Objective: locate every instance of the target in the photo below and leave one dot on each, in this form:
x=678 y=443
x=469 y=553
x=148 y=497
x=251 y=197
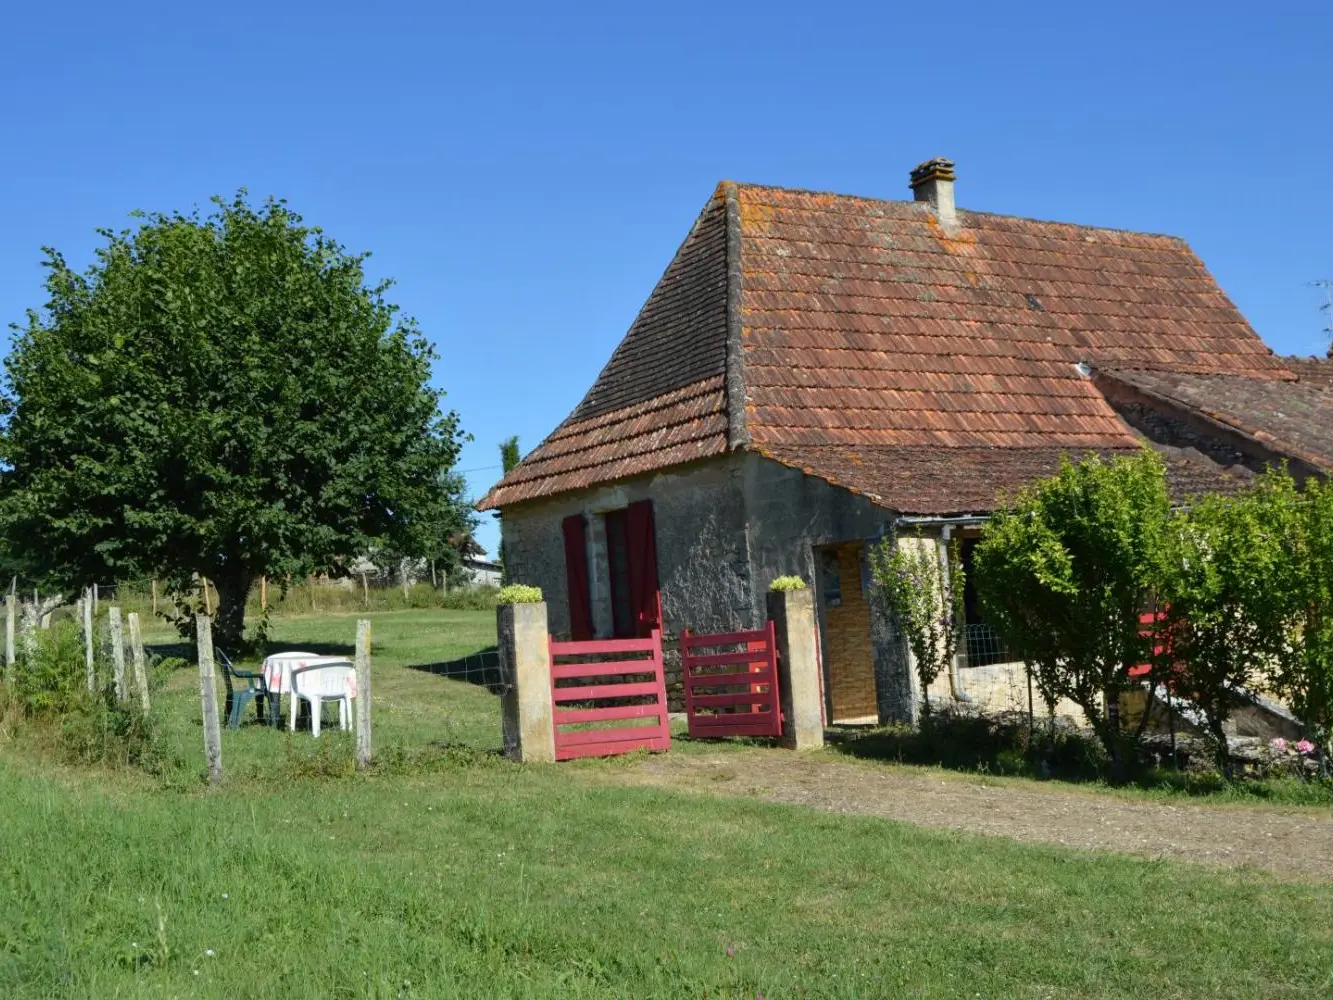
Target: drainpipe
x=955 y=680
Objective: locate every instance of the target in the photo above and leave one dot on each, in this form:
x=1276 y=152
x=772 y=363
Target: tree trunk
x=1117 y=744
x=1221 y=746
x=229 y=624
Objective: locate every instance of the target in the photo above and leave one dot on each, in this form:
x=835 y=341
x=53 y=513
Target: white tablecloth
x=278 y=669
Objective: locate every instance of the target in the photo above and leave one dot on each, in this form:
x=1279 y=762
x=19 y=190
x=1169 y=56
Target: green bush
x=50 y=682
x=96 y=731
x=50 y=694
x=785 y=584
x=519 y=593
x=471 y=599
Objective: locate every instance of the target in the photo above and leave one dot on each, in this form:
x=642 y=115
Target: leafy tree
x=509 y=457
x=220 y=396
x=1227 y=576
x=1063 y=577
x=923 y=588
x=1304 y=673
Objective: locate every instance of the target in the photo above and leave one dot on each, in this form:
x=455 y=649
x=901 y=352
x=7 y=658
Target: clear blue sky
x=526 y=175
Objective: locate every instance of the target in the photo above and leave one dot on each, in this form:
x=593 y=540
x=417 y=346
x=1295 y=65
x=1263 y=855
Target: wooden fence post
x=363 y=693
x=208 y=693
x=140 y=661
x=263 y=592
x=87 y=617
x=118 y=654
x=208 y=600
x=154 y=598
x=11 y=668
x=94 y=600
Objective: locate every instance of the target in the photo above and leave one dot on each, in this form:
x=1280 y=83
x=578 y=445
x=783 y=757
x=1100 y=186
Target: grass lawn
x=467 y=876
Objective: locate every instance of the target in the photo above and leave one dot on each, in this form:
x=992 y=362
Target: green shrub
x=57 y=676
x=785 y=584
x=471 y=599
x=95 y=731
x=50 y=695
x=519 y=593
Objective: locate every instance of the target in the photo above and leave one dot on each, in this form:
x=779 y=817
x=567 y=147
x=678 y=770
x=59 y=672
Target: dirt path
x=1292 y=842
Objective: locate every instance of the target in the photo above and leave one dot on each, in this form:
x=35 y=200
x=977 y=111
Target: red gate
x=632 y=681
x=732 y=693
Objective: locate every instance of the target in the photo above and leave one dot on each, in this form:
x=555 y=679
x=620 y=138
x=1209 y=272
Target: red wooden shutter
x=644 y=595
x=576 y=577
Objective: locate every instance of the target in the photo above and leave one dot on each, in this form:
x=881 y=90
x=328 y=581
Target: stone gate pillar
x=793 y=615
x=525 y=674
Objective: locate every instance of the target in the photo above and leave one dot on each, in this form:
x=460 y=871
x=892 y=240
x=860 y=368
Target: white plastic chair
x=323 y=682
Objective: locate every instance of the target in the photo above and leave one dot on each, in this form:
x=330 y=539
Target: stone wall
x=725 y=528
x=792 y=517
x=791 y=514
x=998 y=687
x=703 y=564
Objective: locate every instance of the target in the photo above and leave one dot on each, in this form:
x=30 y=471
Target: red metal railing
x=632 y=678
x=731 y=693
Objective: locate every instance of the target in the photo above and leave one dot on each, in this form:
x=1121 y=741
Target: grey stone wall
x=790 y=513
x=702 y=561
x=703 y=564
x=725 y=529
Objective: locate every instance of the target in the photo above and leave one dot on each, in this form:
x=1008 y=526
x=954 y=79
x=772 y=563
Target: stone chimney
x=932 y=181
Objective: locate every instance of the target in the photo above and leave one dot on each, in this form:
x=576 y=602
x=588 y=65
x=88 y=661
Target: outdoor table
x=277 y=670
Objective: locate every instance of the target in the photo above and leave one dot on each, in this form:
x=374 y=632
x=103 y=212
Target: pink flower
x=1304 y=746
x=1279 y=744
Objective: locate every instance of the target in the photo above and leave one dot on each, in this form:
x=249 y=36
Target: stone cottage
x=814 y=372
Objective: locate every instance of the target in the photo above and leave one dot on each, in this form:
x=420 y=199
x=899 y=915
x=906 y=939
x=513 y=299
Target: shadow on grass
x=979 y=745
x=1006 y=745
x=481 y=668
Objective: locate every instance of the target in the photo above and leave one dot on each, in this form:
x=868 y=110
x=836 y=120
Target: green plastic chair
x=251 y=689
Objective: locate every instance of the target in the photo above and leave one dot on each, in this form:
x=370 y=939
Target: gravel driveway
x=1293 y=842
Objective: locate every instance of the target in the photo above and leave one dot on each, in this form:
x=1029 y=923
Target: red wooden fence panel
x=733 y=693
x=579 y=682
x=1151 y=627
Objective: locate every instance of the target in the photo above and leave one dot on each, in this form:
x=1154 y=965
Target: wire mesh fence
x=481 y=669
x=983 y=646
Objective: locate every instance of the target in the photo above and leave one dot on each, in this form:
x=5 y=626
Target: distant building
x=481 y=572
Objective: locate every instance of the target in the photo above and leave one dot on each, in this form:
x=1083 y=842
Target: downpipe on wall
x=955 y=676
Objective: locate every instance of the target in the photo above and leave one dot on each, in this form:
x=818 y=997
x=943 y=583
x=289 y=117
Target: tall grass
x=474 y=877
x=509 y=881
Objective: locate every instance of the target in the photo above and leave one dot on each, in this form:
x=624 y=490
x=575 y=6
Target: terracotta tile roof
x=810 y=324
x=681 y=425
x=1318 y=371
x=1292 y=418
x=912 y=479
x=865 y=322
